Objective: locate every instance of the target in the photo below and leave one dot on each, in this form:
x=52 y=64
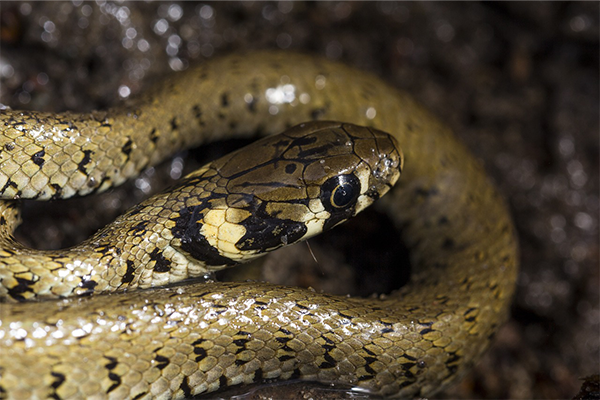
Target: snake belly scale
x=180 y=341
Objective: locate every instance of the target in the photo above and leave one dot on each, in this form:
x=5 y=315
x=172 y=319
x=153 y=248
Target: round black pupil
x=342 y=195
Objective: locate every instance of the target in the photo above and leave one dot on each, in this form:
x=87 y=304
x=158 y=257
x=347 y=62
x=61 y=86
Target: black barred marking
x=370 y=370
x=38 y=158
x=303 y=141
x=284 y=331
x=198 y=114
x=9 y=146
x=10 y=251
x=200 y=353
x=387 y=330
x=92 y=183
x=185 y=387
x=305 y=310
x=285 y=357
x=59 y=379
x=140 y=228
x=112 y=364
x=199 y=295
x=174 y=124
x=129 y=273
x=260 y=305
x=153 y=135
x=161 y=263
x=127 y=147
x=241 y=342
x=470 y=318
x=369 y=360
x=85 y=161
x=187 y=229
x=408 y=374
x=258 y=375
x=453 y=358
x=328 y=347
x=283 y=339
x=197 y=111
x=139 y=396
x=57 y=191
x=329 y=341
x=12 y=206
x=222 y=309
x=116 y=379
x=223 y=381
x=369 y=352
x=90 y=285
x=162 y=361
x=349 y=317
x=23 y=286
x=329 y=362
x=8 y=183
x=2 y=220
x=296 y=374
x=314 y=152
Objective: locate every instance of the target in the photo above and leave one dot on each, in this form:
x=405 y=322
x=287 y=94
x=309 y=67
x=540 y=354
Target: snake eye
x=339 y=192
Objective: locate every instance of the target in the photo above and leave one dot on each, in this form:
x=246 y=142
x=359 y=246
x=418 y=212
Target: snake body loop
x=184 y=340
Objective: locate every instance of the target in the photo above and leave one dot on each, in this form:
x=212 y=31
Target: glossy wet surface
x=517 y=82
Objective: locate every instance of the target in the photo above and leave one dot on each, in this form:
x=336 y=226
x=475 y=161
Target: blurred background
x=517 y=82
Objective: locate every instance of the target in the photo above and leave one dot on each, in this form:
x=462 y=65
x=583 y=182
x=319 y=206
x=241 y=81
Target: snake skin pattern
x=184 y=340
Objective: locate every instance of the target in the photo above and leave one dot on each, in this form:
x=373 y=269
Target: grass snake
x=180 y=341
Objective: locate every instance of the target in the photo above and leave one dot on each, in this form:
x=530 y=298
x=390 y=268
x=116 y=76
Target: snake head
x=287 y=188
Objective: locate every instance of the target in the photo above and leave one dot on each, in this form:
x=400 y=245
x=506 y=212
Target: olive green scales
x=185 y=340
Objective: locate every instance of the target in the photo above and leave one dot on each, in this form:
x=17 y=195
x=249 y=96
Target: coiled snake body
x=184 y=340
